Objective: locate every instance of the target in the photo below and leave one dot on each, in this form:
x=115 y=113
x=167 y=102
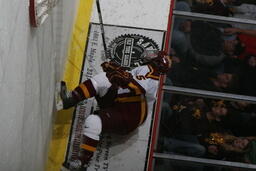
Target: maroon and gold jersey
x=130 y=105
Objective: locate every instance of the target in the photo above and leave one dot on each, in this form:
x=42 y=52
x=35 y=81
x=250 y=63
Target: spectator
x=248 y=79
x=233 y=47
x=206 y=43
x=181 y=29
x=190 y=122
x=215 y=7
x=246 y=69
x=240 y=149
x=251 y=61
x=241 y=120
x=247 y=39
x=185 y=75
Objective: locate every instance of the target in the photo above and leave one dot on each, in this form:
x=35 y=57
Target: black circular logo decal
x=127 y=50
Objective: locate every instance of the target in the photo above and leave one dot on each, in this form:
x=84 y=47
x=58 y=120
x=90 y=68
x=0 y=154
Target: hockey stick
x=102 y=28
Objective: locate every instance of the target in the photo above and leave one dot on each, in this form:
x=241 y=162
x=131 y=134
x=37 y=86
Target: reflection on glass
x=213 y=56
x=208 y=128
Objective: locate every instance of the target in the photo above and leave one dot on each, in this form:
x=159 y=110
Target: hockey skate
x=63 y=97
x=75 y=165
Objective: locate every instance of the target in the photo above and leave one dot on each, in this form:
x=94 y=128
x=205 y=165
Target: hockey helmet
x=161 y=62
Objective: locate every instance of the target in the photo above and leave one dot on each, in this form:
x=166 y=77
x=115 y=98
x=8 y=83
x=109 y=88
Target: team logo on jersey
x=128 y=50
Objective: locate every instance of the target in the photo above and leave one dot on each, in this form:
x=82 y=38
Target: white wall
x=31 y=60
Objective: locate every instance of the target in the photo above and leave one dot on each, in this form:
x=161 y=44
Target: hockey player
x=123 y=99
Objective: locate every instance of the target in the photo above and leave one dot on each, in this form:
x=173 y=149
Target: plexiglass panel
x=213 y=48
x=213 y=56
x=207 y=128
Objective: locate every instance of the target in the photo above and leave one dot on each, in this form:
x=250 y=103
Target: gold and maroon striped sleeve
x=135 y=87
x=86 y=89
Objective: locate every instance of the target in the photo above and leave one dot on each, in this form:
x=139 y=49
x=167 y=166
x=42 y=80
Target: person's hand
x=213 y=149
x=230 y=31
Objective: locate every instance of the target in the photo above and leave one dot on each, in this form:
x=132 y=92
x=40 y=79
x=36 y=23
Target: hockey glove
x=119 y=78
x=116 y=75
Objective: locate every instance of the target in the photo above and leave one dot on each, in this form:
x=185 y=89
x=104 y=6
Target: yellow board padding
x=62 y=123
x=78 y=42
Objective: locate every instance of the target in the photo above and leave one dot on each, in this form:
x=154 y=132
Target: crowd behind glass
x=217 y=57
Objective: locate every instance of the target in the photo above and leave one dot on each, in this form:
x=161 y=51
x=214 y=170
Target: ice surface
x=152 y=14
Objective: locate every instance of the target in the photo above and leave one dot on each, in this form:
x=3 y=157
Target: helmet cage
x=161 y=63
